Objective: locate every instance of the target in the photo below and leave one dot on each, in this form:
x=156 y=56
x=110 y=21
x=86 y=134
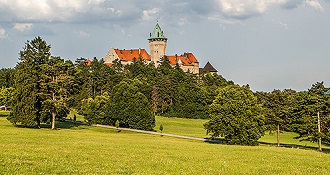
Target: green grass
x=4 y=113
x=78 y=149
x=195 y=128
x=181 y=126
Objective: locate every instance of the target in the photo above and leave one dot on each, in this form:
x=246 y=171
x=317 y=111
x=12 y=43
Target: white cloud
x=150 y=15
x=315 y=4
x=3 y=33
x=97 y=2
x=22 y=27
x=82 y=34
x=242 y=9
x=27 y=11
x=284 y=25
x=247 y=8
x=125 y=12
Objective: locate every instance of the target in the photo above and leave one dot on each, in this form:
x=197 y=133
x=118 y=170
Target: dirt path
x=157 y=133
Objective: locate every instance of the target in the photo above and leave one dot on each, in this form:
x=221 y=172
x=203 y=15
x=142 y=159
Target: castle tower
x=157 y=44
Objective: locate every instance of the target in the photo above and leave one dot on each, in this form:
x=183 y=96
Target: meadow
x=76 y=149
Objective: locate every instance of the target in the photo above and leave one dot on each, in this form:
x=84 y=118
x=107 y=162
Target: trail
x=157 y=133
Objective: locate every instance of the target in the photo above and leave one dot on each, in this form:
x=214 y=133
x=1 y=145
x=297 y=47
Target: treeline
x=42 y=88
x=47 y=87
x=242 y=117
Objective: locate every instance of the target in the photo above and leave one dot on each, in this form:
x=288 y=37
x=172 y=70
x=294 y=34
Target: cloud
x=243 y=9
x=126 y=12
x=284 y=25
x=22 y=27
x=3 y=33
x=31 y=11
x=151 y=14
x=81 y=34
x=315 y=4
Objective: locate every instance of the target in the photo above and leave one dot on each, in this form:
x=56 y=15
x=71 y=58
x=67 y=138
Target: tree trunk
x=319 y=130
x=278 y=134
x=53 y=119
x=53 y=111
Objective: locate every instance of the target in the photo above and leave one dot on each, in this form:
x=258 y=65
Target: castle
x=157 y=43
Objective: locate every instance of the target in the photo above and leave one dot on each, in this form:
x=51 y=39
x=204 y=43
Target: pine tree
x=28 y=98
x=56 y=82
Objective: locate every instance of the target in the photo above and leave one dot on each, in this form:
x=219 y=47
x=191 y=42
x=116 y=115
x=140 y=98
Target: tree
x=7 y=77
x=161 y=129
x=236 y=116
x=28 y=97
x=279 y=106
x=57 y=82
x=311 y=115
x=97 y=110
x=131 y=107
x=6 y=95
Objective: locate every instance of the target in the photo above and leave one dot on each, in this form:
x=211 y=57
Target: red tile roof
x=128 y=55
x=108 y=64
x=88 y=62
x=186 y=59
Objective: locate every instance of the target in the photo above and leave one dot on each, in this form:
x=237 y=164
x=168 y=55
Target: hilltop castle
x=157 y=44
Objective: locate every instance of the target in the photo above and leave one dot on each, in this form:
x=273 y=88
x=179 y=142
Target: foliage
x=97 y=110
x=28 y=95
x=131 y=107
x=278 y=106
x=236 y=116
x=57 y=82
x=43 y=85
x=7 y=77
x=308 y=104
x=6 y=96
x=161 y=128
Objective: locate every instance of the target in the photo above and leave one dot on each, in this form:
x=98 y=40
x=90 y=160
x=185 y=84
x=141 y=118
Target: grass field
x=78 y=149
x=181 y=126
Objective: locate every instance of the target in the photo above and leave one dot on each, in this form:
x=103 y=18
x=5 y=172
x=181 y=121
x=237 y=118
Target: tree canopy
x=236 y=116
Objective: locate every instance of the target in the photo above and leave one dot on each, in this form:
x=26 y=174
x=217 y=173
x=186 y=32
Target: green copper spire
x=157 y=33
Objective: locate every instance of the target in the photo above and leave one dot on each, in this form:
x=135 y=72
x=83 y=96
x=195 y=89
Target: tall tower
x=157 y=44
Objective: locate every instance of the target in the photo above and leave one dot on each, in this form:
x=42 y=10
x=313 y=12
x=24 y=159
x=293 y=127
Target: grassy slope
x=181 y=126
x=194 y=127
x=90 y=150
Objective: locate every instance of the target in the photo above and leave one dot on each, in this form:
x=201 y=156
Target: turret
x=157 y=44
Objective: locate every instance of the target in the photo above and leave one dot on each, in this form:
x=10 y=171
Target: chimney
x=139 y=51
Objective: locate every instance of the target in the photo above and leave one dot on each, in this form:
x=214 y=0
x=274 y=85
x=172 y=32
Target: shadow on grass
x=215 y=140
x=65 y=125
x=324 y=150
x=4 y=114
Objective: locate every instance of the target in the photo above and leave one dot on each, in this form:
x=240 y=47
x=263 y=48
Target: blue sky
x=268 y=44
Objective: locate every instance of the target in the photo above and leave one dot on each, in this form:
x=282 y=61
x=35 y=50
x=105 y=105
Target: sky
x=268 y=44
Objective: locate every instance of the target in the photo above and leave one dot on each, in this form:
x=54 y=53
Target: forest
x=43 y=88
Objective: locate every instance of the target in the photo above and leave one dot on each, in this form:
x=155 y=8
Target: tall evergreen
x=27 y=100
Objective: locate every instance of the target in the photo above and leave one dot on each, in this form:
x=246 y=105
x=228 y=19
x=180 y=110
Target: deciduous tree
x=236 y=116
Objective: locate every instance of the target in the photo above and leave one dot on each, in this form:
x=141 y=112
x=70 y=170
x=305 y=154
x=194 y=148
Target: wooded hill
x=42 y=88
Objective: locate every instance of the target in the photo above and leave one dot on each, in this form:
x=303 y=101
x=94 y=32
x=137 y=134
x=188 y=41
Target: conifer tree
x=56 y=82
x=28 y=98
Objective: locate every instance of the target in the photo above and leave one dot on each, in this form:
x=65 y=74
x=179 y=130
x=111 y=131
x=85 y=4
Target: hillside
x=91 y=150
